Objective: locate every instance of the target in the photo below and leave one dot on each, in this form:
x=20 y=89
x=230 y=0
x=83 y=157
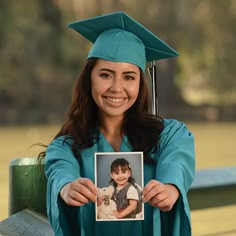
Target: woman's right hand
x=79 y=192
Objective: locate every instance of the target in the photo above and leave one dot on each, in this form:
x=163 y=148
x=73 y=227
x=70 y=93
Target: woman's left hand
x=162 y=196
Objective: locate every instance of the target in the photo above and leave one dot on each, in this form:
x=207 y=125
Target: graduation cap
x=119 y=38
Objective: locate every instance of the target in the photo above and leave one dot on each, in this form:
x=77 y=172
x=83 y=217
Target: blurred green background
x=40 y=58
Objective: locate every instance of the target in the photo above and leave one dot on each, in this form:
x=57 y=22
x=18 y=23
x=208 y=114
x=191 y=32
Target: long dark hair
x=141 y=128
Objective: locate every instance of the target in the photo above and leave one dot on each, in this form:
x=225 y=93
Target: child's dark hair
x=124 y=165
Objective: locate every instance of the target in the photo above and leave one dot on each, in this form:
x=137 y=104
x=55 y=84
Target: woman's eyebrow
x=108 y=70
x=112 y=71
x=129 y=72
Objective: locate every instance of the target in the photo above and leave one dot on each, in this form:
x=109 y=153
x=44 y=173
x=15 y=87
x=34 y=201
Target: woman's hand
x=162 y=196
x=79 y=192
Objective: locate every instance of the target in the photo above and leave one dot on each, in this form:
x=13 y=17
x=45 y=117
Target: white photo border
x=141 y=177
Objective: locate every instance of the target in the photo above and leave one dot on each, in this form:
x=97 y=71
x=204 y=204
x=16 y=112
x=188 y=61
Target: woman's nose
x=116 y=85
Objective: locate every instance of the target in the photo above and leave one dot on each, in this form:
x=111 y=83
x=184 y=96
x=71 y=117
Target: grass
x=215 y=147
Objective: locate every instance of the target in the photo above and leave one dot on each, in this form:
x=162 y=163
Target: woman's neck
x=112 y=130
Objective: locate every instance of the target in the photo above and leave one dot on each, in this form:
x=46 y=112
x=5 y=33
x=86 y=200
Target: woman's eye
x=128 y=77
x=105 y=75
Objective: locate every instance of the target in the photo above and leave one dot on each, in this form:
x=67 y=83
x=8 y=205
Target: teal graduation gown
x=175 y=164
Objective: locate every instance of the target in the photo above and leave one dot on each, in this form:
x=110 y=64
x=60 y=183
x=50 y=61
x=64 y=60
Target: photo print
x=119 y=180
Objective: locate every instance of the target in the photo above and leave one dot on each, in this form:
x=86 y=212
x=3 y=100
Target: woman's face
x=115 y=86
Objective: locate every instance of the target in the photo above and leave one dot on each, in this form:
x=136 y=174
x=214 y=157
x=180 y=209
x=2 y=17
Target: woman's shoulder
x=174 y=130
x=60 y=149
x=172 y=125
x=60 y=144
x=61 y=140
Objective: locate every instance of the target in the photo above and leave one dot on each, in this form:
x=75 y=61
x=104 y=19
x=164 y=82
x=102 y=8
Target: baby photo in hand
x=119 y=182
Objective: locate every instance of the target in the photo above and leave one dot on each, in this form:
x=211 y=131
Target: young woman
x=109 y=112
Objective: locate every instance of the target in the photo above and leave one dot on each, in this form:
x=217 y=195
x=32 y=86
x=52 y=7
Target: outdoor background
x=40 y=58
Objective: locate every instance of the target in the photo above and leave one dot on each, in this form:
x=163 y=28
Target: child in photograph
x=127 y=194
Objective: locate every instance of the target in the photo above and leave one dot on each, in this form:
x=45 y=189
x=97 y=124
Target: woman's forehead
x=115 y=66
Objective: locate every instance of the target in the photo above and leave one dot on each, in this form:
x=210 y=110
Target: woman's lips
x=115 y=100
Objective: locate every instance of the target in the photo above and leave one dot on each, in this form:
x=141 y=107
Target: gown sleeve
x=61 y=167
x=176 y=165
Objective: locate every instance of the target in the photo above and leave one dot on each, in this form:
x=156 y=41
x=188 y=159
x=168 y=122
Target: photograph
x=119 y=182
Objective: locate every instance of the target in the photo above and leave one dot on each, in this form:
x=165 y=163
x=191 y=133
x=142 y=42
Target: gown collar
x=124 y=147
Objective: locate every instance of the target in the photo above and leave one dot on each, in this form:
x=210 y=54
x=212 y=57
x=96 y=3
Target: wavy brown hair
x=81 y=125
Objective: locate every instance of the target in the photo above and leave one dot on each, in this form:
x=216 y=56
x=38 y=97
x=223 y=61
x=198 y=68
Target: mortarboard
x=118 y=37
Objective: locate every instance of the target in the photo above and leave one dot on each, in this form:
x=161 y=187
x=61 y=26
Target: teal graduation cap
x=118 y=37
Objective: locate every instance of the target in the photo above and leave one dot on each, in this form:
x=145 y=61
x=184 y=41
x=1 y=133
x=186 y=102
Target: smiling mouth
x=115 y=100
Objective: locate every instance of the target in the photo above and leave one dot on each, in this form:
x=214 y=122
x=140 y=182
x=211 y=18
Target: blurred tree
x=33 y=60
x=40 y=58
x=207 y=62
